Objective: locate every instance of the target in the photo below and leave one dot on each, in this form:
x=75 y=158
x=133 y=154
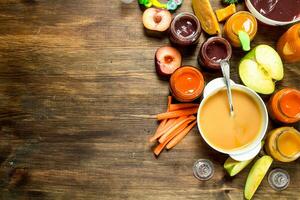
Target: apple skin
x=256 y=175
x=261 y=68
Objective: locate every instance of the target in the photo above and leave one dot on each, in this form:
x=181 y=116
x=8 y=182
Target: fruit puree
x=185 y=29
x=186 y=83
x=280 y=10
x=213 y=51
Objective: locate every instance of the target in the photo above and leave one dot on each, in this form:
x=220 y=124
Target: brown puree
x=281 y=10
x=225 y=132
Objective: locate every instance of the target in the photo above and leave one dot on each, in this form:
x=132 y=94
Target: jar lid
x=203 y=169
x=279 y=179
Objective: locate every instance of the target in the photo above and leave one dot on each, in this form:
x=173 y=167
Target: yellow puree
x=229 y=133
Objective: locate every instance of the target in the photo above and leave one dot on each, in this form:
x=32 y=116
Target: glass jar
x=284 y=106
x=185 y=29
x=288 y=45
x=186 y=84
x=283 y=144
x=213 y=51
x=240 y=21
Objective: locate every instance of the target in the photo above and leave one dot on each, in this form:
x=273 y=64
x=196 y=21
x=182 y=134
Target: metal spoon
x=226 y=74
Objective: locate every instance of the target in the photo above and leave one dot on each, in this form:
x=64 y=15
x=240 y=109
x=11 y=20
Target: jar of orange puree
x=288 y=45
x=284 y=106
x=283 y=144
x=240 y=29
x=186 y=84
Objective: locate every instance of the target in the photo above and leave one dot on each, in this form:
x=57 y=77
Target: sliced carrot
x=180 y=136
x=177 y=113
x=169 y=102
x=161 y=146
x=163 y=123
x=180 y=121
x=158 y=130
x=169 y=124
x=174 y=107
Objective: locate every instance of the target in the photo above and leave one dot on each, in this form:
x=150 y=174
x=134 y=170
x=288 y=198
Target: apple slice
x=256 y=175
x=260 y=68
x=167 y=60
x=157 y=19
x=233 y=167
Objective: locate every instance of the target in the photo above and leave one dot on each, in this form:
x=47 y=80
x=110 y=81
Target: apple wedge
x=261 y=68
x=256 y=175
x=233 y=167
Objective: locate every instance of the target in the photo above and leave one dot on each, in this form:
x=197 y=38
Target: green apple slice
x=269 y=59
x=255 y=77
x=256 y=175
x=233 y=167
x=260 y=68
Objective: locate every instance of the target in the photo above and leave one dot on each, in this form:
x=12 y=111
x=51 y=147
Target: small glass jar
x=283 y=144
x=279 y=179
x=213 y=51
x=186 y=84
x=240 y=21
x=288 y=45
x=203 y=169
x=284 y=106
x=185 y=29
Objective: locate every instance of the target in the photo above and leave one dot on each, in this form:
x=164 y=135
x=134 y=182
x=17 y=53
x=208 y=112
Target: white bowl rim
x=263 y=130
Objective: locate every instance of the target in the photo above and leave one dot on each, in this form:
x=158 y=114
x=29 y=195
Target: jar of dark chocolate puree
x=213 y=51
x=185 y=29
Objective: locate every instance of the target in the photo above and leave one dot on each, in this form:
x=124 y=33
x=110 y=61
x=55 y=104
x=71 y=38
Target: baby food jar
x=284 y=106
x=240 y=21
x=186 y=84
x=288 y=45
x=212 y=51
x=185 y=29
x=283 y=144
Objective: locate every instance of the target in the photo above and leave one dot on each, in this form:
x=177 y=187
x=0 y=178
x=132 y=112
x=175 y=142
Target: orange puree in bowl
x=230 y=133
x=186 y=83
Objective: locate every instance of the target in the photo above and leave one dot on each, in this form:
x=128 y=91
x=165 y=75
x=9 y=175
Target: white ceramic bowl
x=266 y=20
x=252 y=149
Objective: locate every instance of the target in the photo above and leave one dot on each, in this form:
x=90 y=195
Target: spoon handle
x=226 y=73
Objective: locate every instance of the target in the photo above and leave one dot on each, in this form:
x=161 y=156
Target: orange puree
x=283 y=144
x=289 y=143
x=240 y=21
x=186 y=83
x=288 y=45
x=284 y=105
x=224 y=131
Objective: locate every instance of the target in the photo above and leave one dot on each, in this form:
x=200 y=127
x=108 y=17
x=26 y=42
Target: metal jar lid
x=279 y=179
x=203 y=169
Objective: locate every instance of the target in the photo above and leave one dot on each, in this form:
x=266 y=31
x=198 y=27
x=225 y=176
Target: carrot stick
x=169 y=124
x=174 y=107
x=158 y=130
x=162 y=145
x=180 y=136
x=163 y=123
x=177 y=113
x=169 y=102
x=178 y=123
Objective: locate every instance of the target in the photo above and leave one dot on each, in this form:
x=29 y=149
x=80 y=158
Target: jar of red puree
x=186 y=84
x=284 y=106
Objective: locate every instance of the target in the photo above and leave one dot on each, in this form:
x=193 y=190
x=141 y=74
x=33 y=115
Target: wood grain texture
x=77 y=91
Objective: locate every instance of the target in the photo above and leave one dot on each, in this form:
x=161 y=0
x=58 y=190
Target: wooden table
x=77 y=92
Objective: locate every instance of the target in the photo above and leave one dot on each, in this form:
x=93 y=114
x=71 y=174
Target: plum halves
x=167 y=60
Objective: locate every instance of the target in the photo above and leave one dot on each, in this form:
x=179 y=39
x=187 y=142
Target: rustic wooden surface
x=77 y=89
